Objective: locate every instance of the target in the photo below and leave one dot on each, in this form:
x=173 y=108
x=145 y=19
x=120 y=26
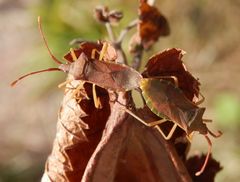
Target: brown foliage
x=97 y=139
x=79 y=131
x=169 y=63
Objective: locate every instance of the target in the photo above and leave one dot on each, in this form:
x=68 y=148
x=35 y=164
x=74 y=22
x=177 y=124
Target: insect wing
x=112 y=76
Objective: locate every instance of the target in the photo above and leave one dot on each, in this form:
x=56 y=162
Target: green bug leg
x=142 y=121
x=154 y=124
x=207 y=157
x=201 y=100
x=169 y=134
x=218 y=134
x=136 y=117
x=174 y=78
x=207 y=120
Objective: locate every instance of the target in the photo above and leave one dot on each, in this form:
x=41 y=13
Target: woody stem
x=126 y=30
x=137 y=58
x=110 y=32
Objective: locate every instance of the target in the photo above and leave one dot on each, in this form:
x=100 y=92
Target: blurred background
x=209 y=31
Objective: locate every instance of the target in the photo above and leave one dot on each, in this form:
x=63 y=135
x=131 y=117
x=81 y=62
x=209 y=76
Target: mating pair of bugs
x=162 y=96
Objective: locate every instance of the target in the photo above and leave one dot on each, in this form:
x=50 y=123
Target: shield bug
x=168 y=102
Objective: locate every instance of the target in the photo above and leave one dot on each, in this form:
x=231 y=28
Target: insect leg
x=189 y=137
x=96 y=99
x=103 y=51
x=65 y=83
x=70 y=80
x=151 y=124
x=75 y=92
x=201 y=100
x=207 y=157
x=93 y=54
x=154 y=123
x=207 y=120
x=218 y=134
x=73 y=54
x=174 y=78
x=169 y=134
x=136 y=117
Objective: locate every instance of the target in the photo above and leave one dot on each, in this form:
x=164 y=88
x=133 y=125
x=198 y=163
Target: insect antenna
x=207 y=157
x=45 y=41
x=49 y=51
x=32 y=73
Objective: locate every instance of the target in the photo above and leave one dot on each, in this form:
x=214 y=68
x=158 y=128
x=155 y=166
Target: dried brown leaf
x=152 y=24
x=79 y=130
x=169 y=63
x=130 y=151
x=110 y=53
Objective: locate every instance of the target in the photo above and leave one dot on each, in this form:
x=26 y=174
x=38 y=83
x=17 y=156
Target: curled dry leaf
x=178 y=139
x=212 y=168
x=152 y=25
x=88 y=48
x=79 y=130
x=103 y=15
x=169 y=63
x=130 y=151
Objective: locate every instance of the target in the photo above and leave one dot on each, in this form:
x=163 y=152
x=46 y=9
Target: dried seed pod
x=103 y=15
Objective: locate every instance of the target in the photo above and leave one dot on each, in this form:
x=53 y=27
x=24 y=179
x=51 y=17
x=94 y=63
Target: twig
x=121 y=55
x=137 y=58
x=122 y=58
x=118 y=44
x=126 y=30
x=110 y=32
